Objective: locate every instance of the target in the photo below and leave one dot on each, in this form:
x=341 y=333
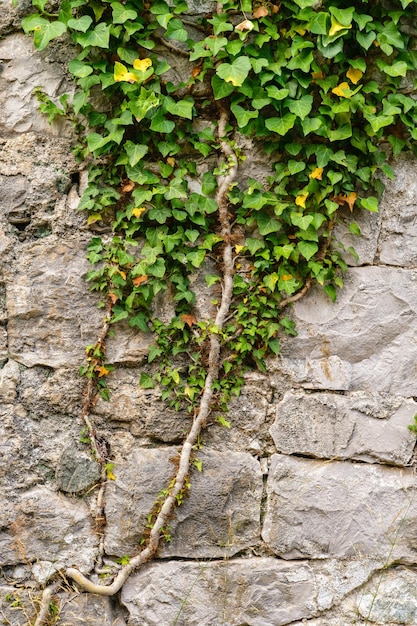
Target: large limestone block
x=365 y=427
x=52 y=316
x=51 y=531
x=319 y=509
x=219 y=517
x=366 y=340
x=232 y=592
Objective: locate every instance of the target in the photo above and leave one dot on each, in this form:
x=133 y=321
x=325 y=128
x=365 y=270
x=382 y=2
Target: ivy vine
x=322 y=88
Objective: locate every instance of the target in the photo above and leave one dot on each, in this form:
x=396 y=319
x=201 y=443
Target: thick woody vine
x=323 y=89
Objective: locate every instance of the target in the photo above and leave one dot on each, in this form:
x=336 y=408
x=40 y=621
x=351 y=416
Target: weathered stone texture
x=323 y=509
x=254 y=591
x=220 y=517
x=365 y=341
x=49 y=530
x=365 y=427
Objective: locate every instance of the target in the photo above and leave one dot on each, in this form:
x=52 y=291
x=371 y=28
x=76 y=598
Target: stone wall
x=306 y=511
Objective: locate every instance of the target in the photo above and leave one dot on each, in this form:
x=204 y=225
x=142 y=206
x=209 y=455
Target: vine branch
x=225 y=181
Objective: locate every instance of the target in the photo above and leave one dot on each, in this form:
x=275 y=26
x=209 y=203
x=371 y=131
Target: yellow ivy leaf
x=239 y=249
x=122 y=274
x=301 y=200
x=336 y=27
x=300 y=31
x=354 y=75
x=171 y=161
x=142 y=64
x=121 y=73
x=342 y=90
x=286 y=277
x=138 y=211
x=317 y=173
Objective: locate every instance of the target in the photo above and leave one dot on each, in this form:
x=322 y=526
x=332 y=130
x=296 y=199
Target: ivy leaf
x=221 y=89
x=79 y=69
x=161 y=125
x=146 y=381
x=281 y=125
x=301 y=107
x=370 y=204
x=135 y=152
x=242 y=115
x=182 y=108
x=267 y=224
x=82 y=24
x=121 y=14
x=196 y=257
x=307 y=249
x=99 y=37
x=46 y=31
x=235 y=72
x=396 y=69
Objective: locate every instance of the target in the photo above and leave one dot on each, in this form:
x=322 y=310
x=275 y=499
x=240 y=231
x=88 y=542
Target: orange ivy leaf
x=245 y=25
x=113 y=297
x=128 y=186
x=348 y=199
x=189 y=319
x=196 y=71
x=171 y=161
x=102 y=371
x=139 y=280
x=260 y=12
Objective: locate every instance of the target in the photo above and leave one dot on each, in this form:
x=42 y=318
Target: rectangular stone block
x=220 y=516
x=322 y=509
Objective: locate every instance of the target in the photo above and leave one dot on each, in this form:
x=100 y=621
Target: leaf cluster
x=323 y=89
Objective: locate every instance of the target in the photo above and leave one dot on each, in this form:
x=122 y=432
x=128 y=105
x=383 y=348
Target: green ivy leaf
x=300 y=107
x=307 y=249
x=99 y=37
x=235 y=72
x=182 y=108
x=242 y=115
x=370 y=204
x=221 y=89
x=281 y=125
x=135 y=152
x=82 y=24
x=267 y=224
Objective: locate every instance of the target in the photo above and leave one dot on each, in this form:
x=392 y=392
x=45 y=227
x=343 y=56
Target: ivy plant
x=324 y=89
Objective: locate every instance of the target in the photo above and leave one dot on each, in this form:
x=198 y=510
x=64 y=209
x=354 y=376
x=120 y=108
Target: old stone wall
x=306 y=511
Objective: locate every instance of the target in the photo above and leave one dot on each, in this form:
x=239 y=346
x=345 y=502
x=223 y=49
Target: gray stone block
x=360 y=426
x=366 y=340
x=220 y=517
x=324 y=509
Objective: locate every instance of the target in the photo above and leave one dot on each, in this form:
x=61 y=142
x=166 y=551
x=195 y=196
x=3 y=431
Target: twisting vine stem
x=200 y=419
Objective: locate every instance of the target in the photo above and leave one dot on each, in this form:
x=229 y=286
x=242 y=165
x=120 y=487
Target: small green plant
x=413 y=427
